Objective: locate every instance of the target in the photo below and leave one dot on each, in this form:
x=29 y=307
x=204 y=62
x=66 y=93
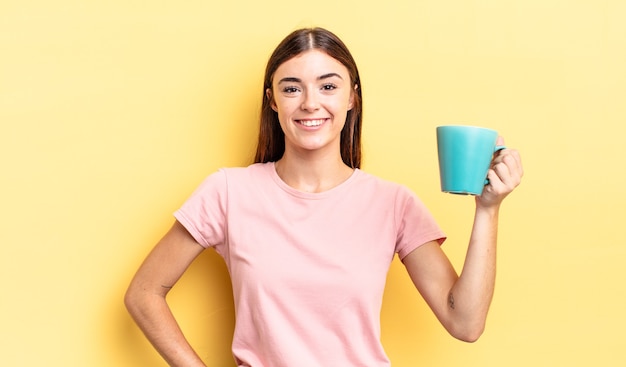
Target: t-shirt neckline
x=271 y=167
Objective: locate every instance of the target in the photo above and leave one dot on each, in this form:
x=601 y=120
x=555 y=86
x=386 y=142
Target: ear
x=351 y=101
x=268 y=95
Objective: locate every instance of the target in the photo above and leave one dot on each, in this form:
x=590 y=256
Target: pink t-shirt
x=308 y=270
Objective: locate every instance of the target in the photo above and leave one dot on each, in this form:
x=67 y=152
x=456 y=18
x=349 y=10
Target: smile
x=311 y=123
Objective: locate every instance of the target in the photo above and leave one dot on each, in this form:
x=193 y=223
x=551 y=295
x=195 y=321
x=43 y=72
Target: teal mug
x=465 y=154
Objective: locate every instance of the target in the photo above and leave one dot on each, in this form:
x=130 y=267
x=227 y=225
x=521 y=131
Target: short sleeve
x=204 y=212
x=415 y=224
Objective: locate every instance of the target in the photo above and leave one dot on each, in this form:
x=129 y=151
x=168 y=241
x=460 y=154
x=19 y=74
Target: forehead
x=312 y=63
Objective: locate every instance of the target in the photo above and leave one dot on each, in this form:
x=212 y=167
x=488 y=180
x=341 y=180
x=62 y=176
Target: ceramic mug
x=465 y=154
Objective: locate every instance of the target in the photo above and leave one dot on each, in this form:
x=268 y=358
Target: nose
x=310 y=102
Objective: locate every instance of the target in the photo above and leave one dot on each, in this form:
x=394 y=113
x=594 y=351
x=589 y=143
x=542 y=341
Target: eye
x=290 y=90
x=329 y=87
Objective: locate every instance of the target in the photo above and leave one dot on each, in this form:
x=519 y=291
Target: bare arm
x=461 y=303
x=145 y=297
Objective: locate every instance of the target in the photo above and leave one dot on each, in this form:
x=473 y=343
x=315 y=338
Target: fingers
x=507 y=166
x=504 y=175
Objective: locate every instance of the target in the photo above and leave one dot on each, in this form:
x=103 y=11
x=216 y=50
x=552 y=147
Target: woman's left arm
x=461 y=302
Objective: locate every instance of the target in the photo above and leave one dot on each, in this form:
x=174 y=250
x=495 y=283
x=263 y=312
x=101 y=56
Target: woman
x=308 y=237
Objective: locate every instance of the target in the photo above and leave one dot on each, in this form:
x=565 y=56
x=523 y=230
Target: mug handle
x=497 y=148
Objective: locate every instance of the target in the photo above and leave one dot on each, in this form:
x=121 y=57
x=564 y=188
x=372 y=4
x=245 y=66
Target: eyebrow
x=298 y=80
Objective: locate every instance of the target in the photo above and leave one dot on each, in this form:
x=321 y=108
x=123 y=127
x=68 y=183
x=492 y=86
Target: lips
x=311 y=122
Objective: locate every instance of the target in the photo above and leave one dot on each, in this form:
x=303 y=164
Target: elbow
x=468 y=333
x=140 y=302
x=129 y=301
x=132 y=301
x=469 y=337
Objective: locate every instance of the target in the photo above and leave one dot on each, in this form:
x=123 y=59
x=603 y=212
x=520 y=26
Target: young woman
x=308 y=237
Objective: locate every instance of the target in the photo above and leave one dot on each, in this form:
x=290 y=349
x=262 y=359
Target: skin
x=461 y=303
x=314 y=89
x=146 y=295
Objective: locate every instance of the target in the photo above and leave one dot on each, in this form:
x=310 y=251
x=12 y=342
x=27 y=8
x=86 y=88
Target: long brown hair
x=271 y=144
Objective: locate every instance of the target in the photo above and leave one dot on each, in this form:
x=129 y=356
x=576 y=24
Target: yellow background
x=112 y=112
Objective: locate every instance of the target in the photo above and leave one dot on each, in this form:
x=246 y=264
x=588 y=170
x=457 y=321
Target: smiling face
x=312 y=94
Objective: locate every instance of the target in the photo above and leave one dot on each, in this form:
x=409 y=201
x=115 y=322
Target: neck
x=312 y=174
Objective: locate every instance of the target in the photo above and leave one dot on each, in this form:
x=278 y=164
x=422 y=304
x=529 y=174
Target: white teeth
x=311 y=123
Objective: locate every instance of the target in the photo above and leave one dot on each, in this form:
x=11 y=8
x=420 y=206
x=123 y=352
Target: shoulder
x=371 y=182
x=253 y=174
x=399 y=196
x=225 y=177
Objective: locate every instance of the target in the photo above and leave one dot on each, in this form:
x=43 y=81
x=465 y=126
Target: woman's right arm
x=145 y=297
